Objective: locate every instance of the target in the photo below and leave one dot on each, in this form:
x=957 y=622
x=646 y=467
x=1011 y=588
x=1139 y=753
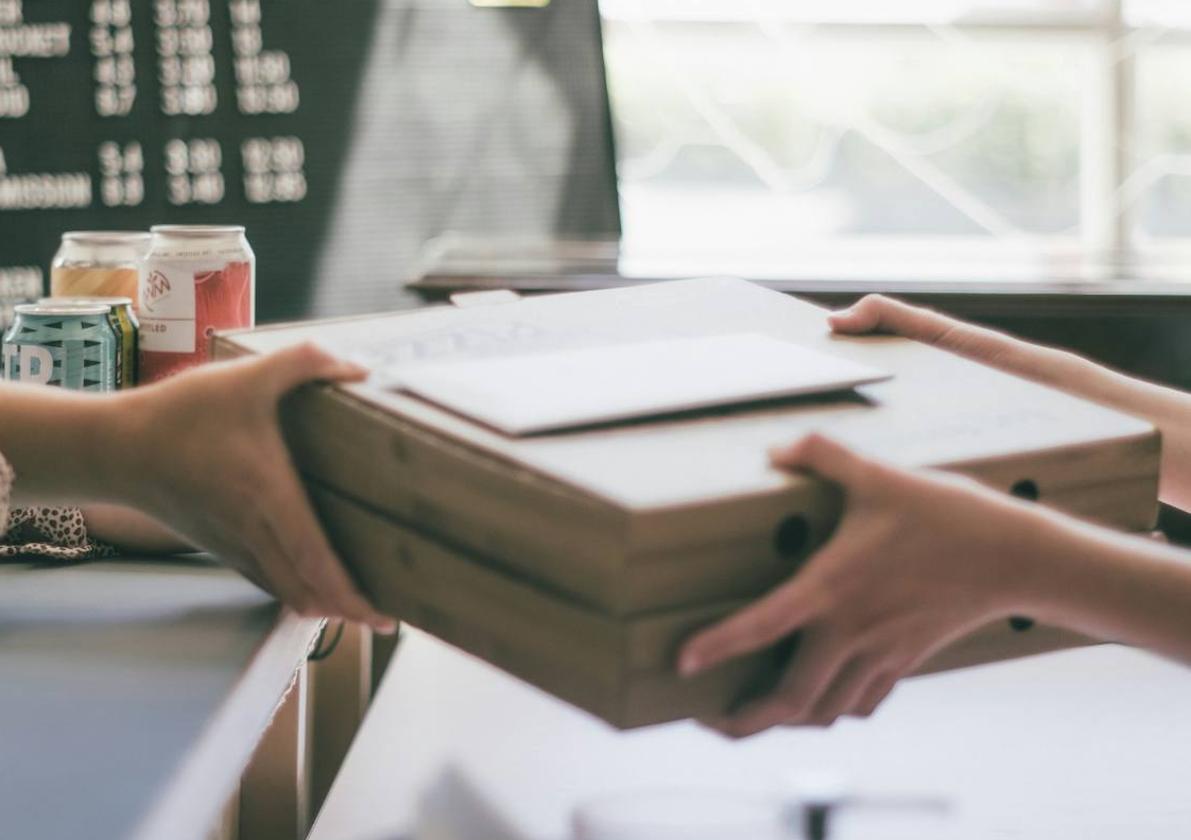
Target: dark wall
x=417 y=117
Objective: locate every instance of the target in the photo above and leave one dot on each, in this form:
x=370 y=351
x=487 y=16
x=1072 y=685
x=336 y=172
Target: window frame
x=1108 y=112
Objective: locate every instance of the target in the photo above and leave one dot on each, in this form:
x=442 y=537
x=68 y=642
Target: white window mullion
x=1107 y=134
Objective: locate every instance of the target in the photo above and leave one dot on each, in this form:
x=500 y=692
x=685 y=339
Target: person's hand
x=880 y=314
x=1165 y=408
x=209 y=461
x=918 y=560
x=1049 y=366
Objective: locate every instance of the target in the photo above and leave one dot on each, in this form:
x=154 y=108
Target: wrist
x=1035 y=564
x=1075 y=565
x=65 y=447
x=112 y=447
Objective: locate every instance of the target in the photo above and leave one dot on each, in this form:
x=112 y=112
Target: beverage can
x=126 y=326
x=71 y=347
x=196 y=279
x=103 y=263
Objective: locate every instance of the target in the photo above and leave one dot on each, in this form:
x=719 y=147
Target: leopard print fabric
x=5 y=494
x=43 y=532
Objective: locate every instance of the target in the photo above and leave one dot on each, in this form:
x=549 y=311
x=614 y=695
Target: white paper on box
x=569 y=388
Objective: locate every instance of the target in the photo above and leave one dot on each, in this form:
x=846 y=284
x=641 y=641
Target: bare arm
x=1112 y=586
x=1166 y=408
x=201 y=452
x=67 y=448
x=63 y=446
x=922 y=559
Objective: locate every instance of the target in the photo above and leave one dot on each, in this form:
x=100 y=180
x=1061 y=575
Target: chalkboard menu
x=342 y=133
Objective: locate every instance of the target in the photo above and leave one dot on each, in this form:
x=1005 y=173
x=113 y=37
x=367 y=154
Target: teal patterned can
x=71 y=347
x=125 y=324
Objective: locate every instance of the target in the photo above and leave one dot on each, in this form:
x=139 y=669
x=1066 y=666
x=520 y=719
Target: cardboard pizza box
x=619 y=668
x=660 y=513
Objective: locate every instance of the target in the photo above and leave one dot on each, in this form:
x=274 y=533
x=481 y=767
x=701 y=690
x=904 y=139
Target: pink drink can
x=195 y=280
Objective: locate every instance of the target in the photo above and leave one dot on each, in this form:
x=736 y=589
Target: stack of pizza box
x=579 y=559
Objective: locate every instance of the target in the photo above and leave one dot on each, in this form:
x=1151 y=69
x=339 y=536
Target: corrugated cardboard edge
x=619 y=669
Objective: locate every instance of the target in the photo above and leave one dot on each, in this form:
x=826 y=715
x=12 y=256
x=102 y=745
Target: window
x=922 y=139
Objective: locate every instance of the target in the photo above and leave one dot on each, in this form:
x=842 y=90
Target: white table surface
x=1086 y=744
x=131 y=695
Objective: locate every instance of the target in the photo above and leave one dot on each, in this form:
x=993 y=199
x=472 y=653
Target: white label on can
x=167 y=305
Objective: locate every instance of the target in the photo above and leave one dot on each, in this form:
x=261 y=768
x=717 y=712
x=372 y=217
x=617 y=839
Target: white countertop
x=1086 y=744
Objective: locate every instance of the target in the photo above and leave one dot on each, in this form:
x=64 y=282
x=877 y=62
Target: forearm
x=1168 y=409
x=1111 y=586
x=131 y=531
x=63 y=446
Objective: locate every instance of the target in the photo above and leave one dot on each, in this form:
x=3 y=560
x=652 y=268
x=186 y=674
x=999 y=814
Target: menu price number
x=121 y=174
x=193 y=171
x=191 y=71
x=112 y=46
x=263 y=82
x=194 y=101
x=14 y=96
x=185 y=63
x=114 y=101
x=273 y=169
x=271 y=99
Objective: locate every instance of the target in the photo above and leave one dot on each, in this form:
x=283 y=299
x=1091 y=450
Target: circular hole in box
x=1020 y=624
x=792 y=538
x=1026 y=489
